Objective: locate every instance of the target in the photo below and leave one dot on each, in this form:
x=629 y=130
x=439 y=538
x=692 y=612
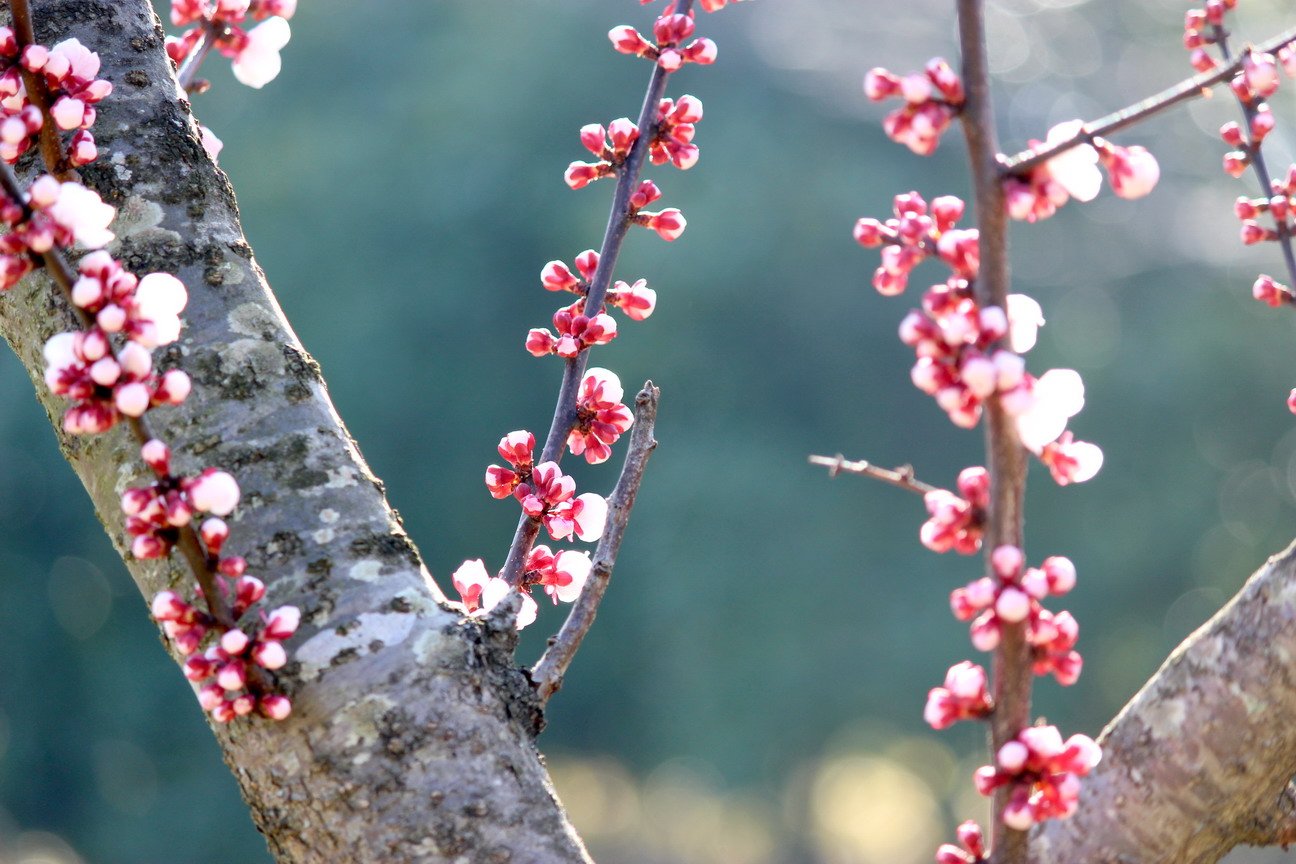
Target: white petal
x=577 y=565
x=592 y=517
x=1025 y=317
x=1063 y=389
x=1089 y=459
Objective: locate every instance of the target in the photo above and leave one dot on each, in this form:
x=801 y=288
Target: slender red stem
x=188 y=70
x=1255 y=151
x=619 y=223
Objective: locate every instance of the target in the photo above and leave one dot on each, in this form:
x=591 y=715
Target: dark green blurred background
x=753 y=690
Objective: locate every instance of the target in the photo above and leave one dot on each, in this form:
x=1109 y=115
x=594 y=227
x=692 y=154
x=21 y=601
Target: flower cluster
x=153 y=512
x=932 y=99
x=1074 y=173
x=965 y=696
x=1043 y=772
x=155 y=515
x=228 y=666
x=959 y=361
x=68 y=72
x=637 y=301
x=1279 y=207
x=1201 y=27
x=914 y=233
x=51 y=214
x=707 y=5
x=109 y=384
x=562 y=575
x=574 y=329
x=544 y=492
x=670 y=31
x=254 y=52
x=1014 y=598
x=672 y=141
x=601 y=416
x=957 y=522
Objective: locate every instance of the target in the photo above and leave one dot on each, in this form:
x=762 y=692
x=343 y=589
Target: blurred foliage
x=770 y=635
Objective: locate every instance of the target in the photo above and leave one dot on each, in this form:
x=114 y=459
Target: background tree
x=679 y=618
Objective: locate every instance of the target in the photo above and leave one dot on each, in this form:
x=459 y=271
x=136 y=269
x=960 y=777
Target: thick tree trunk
x=412 y=732
x=1199 y=760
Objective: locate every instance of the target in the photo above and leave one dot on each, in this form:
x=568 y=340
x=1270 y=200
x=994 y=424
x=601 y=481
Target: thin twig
x=564 y=416
x=1005 y=457
x=198 y=53
x=1187 y=89
x=902 y=477
x=549 y=670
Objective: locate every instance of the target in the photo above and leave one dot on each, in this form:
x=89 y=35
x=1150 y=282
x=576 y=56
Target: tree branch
x=549 y=671
x=902 y=477
x=1005 y=456
x=1198 y=760
x=1187 y=89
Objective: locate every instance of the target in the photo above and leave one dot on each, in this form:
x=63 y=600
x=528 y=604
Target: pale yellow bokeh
x=872 y=810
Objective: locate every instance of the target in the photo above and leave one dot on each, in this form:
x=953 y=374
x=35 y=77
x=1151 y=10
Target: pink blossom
x=637 y=301
x=965 y=696
x=1071 y=461
x=1042 y=407
x=258 y=62
x=576 y=332
x=1259 y=73
x=601 y=418
x=1043 y=775
x=214 y=491
x=1052 y=640
x=669 y=223
x=1133 y=171
x=210 y=143
x=563 y=575
x=516 y=448
x=1267 y=290
x=1076 y=169
x=973 y=846
x=470 y=580
x=81 y=211
x=932 y=99
x=494 y=593
x=956 y=523
x=158 y=300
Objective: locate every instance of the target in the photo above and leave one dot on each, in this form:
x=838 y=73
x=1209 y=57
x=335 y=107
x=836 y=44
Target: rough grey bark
x=411 y=738
x=1199 y=760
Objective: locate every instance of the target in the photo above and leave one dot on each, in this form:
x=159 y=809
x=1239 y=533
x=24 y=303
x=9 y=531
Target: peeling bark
x=412 y=732
x=1200 y=759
